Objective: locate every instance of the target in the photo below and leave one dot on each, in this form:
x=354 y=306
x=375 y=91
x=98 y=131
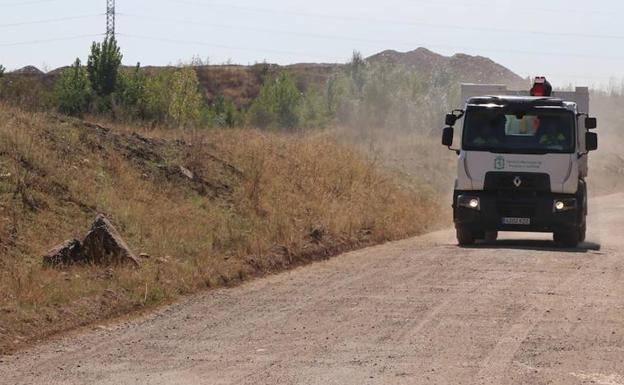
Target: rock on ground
x=103 y=245
x=67 y=253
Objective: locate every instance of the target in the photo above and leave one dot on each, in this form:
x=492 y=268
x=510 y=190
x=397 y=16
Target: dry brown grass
x=260 y=203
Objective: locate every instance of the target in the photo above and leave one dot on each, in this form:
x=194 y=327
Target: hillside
x=209 y=208
x=241 y=84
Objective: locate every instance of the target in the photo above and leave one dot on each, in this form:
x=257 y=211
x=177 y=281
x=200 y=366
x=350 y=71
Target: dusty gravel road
x=420 y=311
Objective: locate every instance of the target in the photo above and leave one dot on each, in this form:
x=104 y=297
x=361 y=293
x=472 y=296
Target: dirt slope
x=209 y=208
x=420 y=311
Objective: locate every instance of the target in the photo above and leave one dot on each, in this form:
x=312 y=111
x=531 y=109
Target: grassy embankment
x=257 y=203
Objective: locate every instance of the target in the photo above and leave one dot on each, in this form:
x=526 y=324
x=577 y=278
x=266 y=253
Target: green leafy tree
x=73 y=91
x=314 y=111
x=277 y=105
x=357 y=70
x=130 y=93
x=157 y=96
x=222 y=113
x=103 y=66
x=2 y=69
x=186 y=100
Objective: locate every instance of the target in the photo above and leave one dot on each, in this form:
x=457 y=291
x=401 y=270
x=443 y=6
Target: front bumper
x=494 y=206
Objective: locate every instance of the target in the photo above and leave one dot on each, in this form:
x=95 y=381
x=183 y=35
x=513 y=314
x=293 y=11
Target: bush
x=167 y=97
x=26 y=92
x=222 y=113
x=2 y=69
x=185 y=99
x=277 y=105
x=72 y=91
x=131 y=93
x=388 y=96
x=314 y=111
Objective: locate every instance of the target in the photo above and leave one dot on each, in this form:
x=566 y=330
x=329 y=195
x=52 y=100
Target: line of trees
x=359 y=95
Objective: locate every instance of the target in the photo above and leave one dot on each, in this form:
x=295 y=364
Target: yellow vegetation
x=256 y=203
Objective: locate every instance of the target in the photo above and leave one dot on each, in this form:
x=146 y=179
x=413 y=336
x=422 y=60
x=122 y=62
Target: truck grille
x=513 y=182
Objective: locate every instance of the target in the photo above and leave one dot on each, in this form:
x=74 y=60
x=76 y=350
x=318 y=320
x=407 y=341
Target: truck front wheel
x=465 y=236
x=491 y=236
x=582 y=232
x=568 y=238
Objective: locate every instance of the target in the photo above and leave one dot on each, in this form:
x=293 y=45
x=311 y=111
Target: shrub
x=388 y=96
x=277 y=105
x=186 y=100
x=157 y=96
x=72 y=91
x=314 y=111
x=26 y=92
x=130 y=94
x=2 y=69
x=222 y=113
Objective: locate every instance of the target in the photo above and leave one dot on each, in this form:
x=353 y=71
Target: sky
x=566 y=40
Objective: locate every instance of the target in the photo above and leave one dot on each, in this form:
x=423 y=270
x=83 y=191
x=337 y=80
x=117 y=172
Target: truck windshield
x=535 y=131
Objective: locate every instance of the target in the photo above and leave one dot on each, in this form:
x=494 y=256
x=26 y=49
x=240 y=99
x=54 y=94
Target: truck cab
x=522 y=162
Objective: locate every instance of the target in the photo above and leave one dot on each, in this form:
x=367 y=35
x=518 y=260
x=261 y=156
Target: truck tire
x=491 y=236
x=465 y=236
x=582 y=232
x=568 y=238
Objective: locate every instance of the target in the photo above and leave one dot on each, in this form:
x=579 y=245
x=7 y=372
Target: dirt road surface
x=419 y=311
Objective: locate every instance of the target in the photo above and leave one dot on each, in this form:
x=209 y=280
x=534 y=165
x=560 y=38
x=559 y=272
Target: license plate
x=516 y=221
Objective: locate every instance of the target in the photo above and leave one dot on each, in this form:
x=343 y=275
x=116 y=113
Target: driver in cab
x=550 y=135
x=487 y=132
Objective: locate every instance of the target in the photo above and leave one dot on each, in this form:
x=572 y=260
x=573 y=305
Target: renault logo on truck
x=517 y=181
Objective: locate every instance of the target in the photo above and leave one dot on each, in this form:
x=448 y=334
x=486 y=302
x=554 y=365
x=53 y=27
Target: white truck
x=522 y=162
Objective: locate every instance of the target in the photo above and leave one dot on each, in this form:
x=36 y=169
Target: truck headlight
x=469 y=202
x=564 y=204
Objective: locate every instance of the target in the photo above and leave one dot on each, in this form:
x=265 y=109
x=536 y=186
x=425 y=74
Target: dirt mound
x=29 y=71
x=467 y=68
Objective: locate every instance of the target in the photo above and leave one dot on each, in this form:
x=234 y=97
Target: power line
x=399 y=22
x=337 y=37
x=216 y=45
x=26 y=3
x=270 y=50
x=32 y=42
x=269 y=30
x=46 y=21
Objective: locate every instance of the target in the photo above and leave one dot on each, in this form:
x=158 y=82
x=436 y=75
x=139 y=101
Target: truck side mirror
x=590 y=123
x=447 y=136
x=591 y=141
x=450 y=120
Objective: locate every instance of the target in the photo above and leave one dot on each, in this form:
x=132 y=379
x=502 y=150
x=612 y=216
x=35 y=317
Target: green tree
x=186 y=100
x=277 y=105
x=72 y=90
x=357 y=70
x=2 y=69
x=157 y=96
x=314 y=111
x=222 y=113
x=103 y=66
x=130 y=93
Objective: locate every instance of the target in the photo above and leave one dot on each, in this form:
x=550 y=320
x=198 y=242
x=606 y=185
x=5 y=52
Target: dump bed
x=580 y=95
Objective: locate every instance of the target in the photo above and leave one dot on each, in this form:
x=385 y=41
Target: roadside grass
x=256 y=203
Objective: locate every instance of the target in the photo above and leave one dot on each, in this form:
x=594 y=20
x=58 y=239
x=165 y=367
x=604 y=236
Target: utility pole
x=110 y=19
